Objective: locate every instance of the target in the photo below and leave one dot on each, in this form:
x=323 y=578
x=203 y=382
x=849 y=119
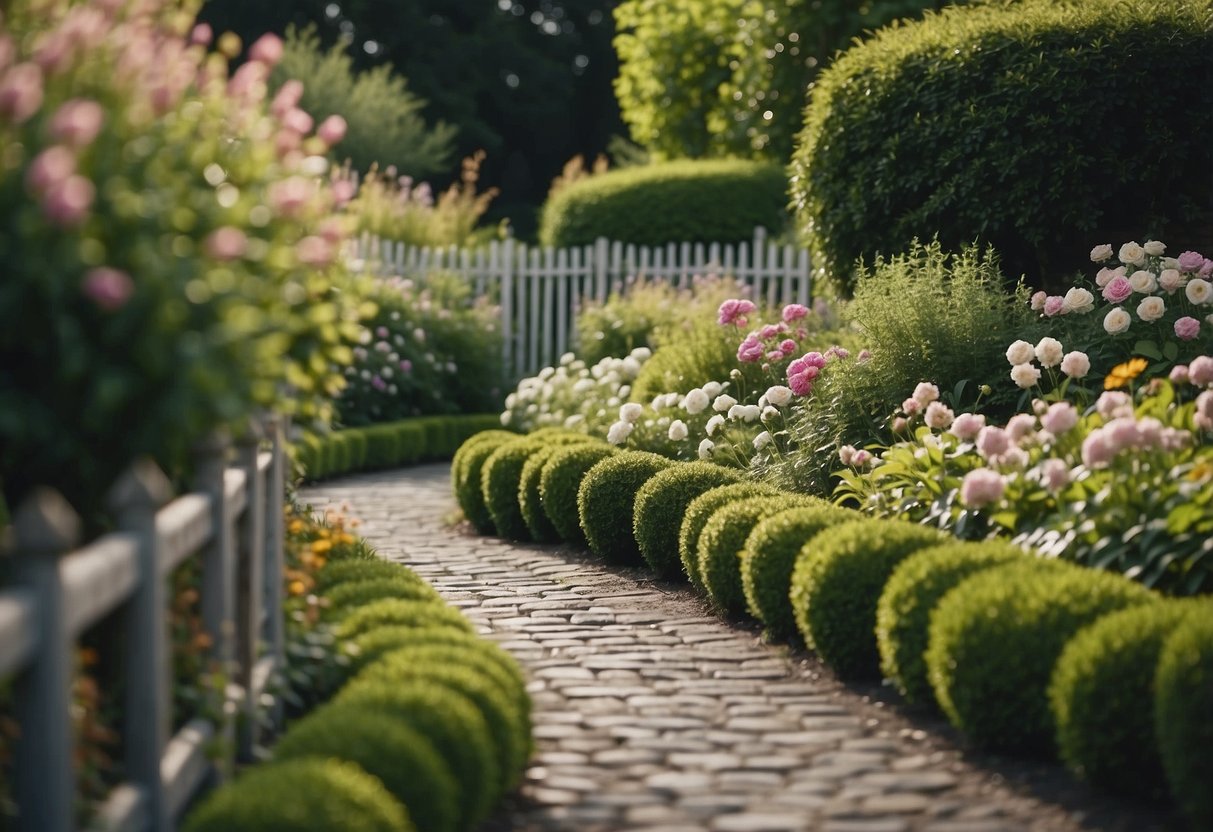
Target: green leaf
x=1149 y=349
x=1170 y=350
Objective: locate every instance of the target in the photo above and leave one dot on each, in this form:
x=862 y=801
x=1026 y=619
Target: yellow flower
x=296 y=527
x=297 y=587
x=1122 y=374
x=319 y=547
x=1201 y=471
x=345 y=538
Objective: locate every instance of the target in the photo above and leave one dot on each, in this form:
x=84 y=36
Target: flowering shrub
x=574 y=396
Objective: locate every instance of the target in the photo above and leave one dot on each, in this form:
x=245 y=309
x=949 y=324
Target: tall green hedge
x=1040 y=127
x=686 y=201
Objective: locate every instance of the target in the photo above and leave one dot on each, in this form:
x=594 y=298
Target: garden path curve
x=652 y=714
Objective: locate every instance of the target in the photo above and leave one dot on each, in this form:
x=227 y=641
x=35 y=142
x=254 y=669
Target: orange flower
x=1122 y=374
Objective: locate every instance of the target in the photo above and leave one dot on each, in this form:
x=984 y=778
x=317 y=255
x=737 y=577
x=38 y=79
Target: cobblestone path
x=652 y=714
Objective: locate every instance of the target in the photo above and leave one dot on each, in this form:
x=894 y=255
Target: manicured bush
x=1101 y=697
x=467 y=491
x=1003 y=122
x=337 y=572
x=661 y=504
x=459 y=469
x=559 y=483
x=996 y=636
x=454 y=726
x=697 y=514
x=724 y=536
x=686 y=201
x=903 y=613
x=1183 y=717
x=530 y=500
x=387 y=445
x=301 y=796
x=395 y=612
x=606 y=503
x=501 y=479
x=353 y=595
x=769 y=556
x=403 y=759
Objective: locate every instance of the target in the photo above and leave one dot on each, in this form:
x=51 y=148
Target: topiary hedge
x=1101 y=696
x=1006 y=123
x=697 y=514
x=395 y=612
x=698 y=201
x=530 y=498
x=995 y=638
x=769 y=556
x=1183 y=717
x=337 y=572
x=466 y=478
x=351 y=595
x=559 y=482
x=837 y=582
x=501 y=479
x=388 y=445
x=661 y=504
x=903 y=613
x=606 y=503
x=307 y=795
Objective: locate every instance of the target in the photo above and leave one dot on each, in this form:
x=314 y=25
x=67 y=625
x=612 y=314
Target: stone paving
x=653 y=715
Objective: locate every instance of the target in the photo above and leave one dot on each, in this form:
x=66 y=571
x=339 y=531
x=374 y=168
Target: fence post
x=250 y=583
x=135 y=499
x=507 y=306
x=275 y=548
x=601 y=265
x=45 y=528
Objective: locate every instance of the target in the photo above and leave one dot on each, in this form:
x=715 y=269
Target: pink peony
x=332 y=130
x=751 y=349
x=926 y=393
x=861 y=458
x=1076 y=364
x=1020 y=425
x=1096 y=451
x=733 y=312
x=1190 y=261
x=1179 y=374
x=899 y=425
x=267 y=49
x=967 y=425
x=769 y=331
x=1204 y=406
x=911 y=407
x=226 y=243
x=1187 y=328
x=794 y=312
x=20 y=92
x=1117 y=289
x=1059 y=418
x=316 y=252
x=845 y=454
x=77 y=122
x=993 y=442
x=1112 y=403
x=1038 y=301
x=1054 y=306
x=1200 y=371
x=49 y=168
x=1121 y=434
x=67 y=203
x=1206 y=269
x=981 y=487
x=802 y=372
x=1055 y=475
x=787 y=346
x=109 y=288
x=938 y=416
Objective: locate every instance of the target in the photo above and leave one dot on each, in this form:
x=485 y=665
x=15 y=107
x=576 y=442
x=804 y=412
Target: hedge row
x=1022 y=654
x=429 y=727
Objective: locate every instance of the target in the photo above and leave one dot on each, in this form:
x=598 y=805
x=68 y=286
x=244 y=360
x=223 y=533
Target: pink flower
x=993 y=442
x=67 y=202
x=981 y=487
x=406 y=365
x=926 y=393
x=1096 y=450
x=939 y=416
x=1204 y=410
x=1107 y=275
x=899 y=425
x=1187 y=328
x=298 y=120
x=733 y=311
x=1190 y=261
x=1059 y=418
x=332 y=130
x=332 y=229
x=109 y=288
x=49 y=168
x=861 y=458
x=287 y=98
x=1055 y=475
x=911 y=407
x=1054 y=305
x=1200 y=371
x=226 y=243
x=202 y=34
x=845 y=454
x=1038 y=301
x=968 y=425
x=1117 y=289
x=77 y=122
x=864 y=356
x=802 y=372
x=1020 y=425
x=343 y=191
x=248 y=81
x=20 y=92
x=1112 y=403
x=1076 y=364
x=787 y=346
x=288 y=196
x=267 y=49
x=1179 y=374
x=775 y=355
x=315 y=251
x=794 y=312
x=769 y=331
x=1206 y=269
x=838 y=352
x=751 y=349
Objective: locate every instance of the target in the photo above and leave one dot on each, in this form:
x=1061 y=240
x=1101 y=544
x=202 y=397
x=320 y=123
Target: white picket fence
x=540 y=290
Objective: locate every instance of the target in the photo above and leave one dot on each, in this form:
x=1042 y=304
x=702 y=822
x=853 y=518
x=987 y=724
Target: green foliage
x=1183 y=717
x=769 y=556
x=903 y=613
x=467 y=474
x=398 y=612
x=501 y=480
x=560 y=482
x=403 y=759
x=530 y=493
x=837 y=582
x=661 y=504
x=351 y=595
x=606 y=503
x=1005 y=122
x=486 y=658
x=995 y=638
x=699 y=510
x=339 y=572
x=1102 y=697
x=300 y=796
x=689 y=201
x=699 y=352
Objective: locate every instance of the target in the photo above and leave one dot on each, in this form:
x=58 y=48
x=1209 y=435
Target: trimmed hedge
x=1005 y=123
x=459 y=467
x=903 y=613
x=697 y=514
x=724 y=536
x=403 y=759
x=837 y=582
x=337 y=572
x=301 y=796
x=769 y=556
x=606 y=503
x=559 y=482
x=1102 y=697
x=697 y=201
x=530 y=493
x=477 y=655
x=388 y=445
x=1183 y=717
x=501 y=479
x=396 y=612
x=995 y=638
x=466 y=478
x=351 y=595
x=661 y=504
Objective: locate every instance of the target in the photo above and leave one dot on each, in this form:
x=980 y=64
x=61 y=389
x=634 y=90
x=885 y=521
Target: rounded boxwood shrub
x=769 y=555
x=390 y=612
x=455 y=728
x=606 y=502
x=508 y=679
x=995 y=637
x=342 y=571
x=301 y=796
x=467 y=475
x=501 y=478
x=1183 y=717
x=352 y=595
x=403 y=760
x=903 y=613
x=699 y=510
x=559 y=482
x=724 y=536
x=1101 y=697
x=459 y=459
x=530 y=492
x=661 y=504
x=697 y=201
x=972 y=106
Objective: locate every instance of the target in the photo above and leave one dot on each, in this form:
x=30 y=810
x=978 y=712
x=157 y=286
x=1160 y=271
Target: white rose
x=770 y=412
x=762 y=440
x=1076 y=364
x=723 y=403
x=1049 y=352
x=1151 y=309
x=1171 y=281
x=1132 y=253
x=1021 y=352
x=779 y=395
x=1154 y=248
x=713 y=423
x=1101 y=253
x=1106 y=275
x=1143 y=282
x=1078 y=300
x=705 y=449
x=750 y=412
x=713 y=389
x=1117 y=321
x=678 y=430
x=695 y=402
x=1025 y=375
x=1169 y=263
x=1198 y=291
x=619 y=432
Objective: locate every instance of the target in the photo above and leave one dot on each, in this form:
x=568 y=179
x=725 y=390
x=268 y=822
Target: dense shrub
x=606 y=503
x=501 y=479
x=837 y=582
x=949 y=126
x=339 y=572
x=660 y=505
x=300 y=796
x=689 y=201
x=1183 y=717
x=696 y=516
x=559 y=483
x=397 y=612
x=403 y=759
x=388 y=445
x=903 y=614
x=530 y=498
x=1102 y=697
x=996 y=636
x=700 y=352
x=353 y=595
x=769 y=556
x=467 y=475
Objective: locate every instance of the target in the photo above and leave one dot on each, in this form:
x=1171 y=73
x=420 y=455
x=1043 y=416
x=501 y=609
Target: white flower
x=1143 y=282
x=762 y=440
x=713 y=389
x=846 y=453
x=1132 y=253
x=1021 y=352
x=1171 y=280
x=641 y=354
x=1101 y=253
x=574 y=420
x=1154 y=248
x=631 y=367
x=1117 y=321
x=723 y=403
x=1198 y=291
x=713 y=423
x=705 y=449
x=1076 y=364
x=779 y=395
x=1151 y=309
x=939 y=416
x=546 y=373
x=619 y=432
x=672 y=399
x=567 y=359
x=1078 y=300
x=695 y=402
x=750 y=412
x=1025 y=375
x=678 y=430
x=583 y=385
x=925 y=393
x=505 y=418
x=1049 y=352
x=630 y=412
x=736 y=412
x=658 y=402
x=769 y=413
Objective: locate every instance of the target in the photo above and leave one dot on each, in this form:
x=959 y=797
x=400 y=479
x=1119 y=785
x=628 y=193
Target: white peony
x=695 y=402
x=1132 y=253
x=1154 y=248
x=1101 y=253
x=713 y=424
x=678 y=430
x=619 y=432
x=1025 y=375
x=1117 y=321
x=713 y=389
x=1021 y=352
x=1078 y=300
x=736 y=412
x=1151 y=309
x=1198 y=291
x=1143 y=282
x=1049 y=351
x=723 y=403
x=778 y=395
x=762 y=440
x=705 y=449
x=1076 y=364
x=769 y=413
x=750 y=412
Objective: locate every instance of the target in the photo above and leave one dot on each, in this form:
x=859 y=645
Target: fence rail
x=540 y=290
x=233 y=525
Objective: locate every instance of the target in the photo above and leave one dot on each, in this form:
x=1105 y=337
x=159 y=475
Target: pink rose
x=1206 y=269
x=109 y=288
x=20 y=92
x=794 y=312
x=67 y=203
x=751 y=349
x=77 y=122
x=267 y=49
x=1190 y=261
x=1054 y=305
x=1106 y=275
x=1200 y=371
x=981 y=487
x=1117 y=289
x=787 y=347
x=49 y=168
x=1038 y=301
x=1187 y=328
x=227 y=243
x=332 y=130
x=967 y=425
x=1059 y=418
